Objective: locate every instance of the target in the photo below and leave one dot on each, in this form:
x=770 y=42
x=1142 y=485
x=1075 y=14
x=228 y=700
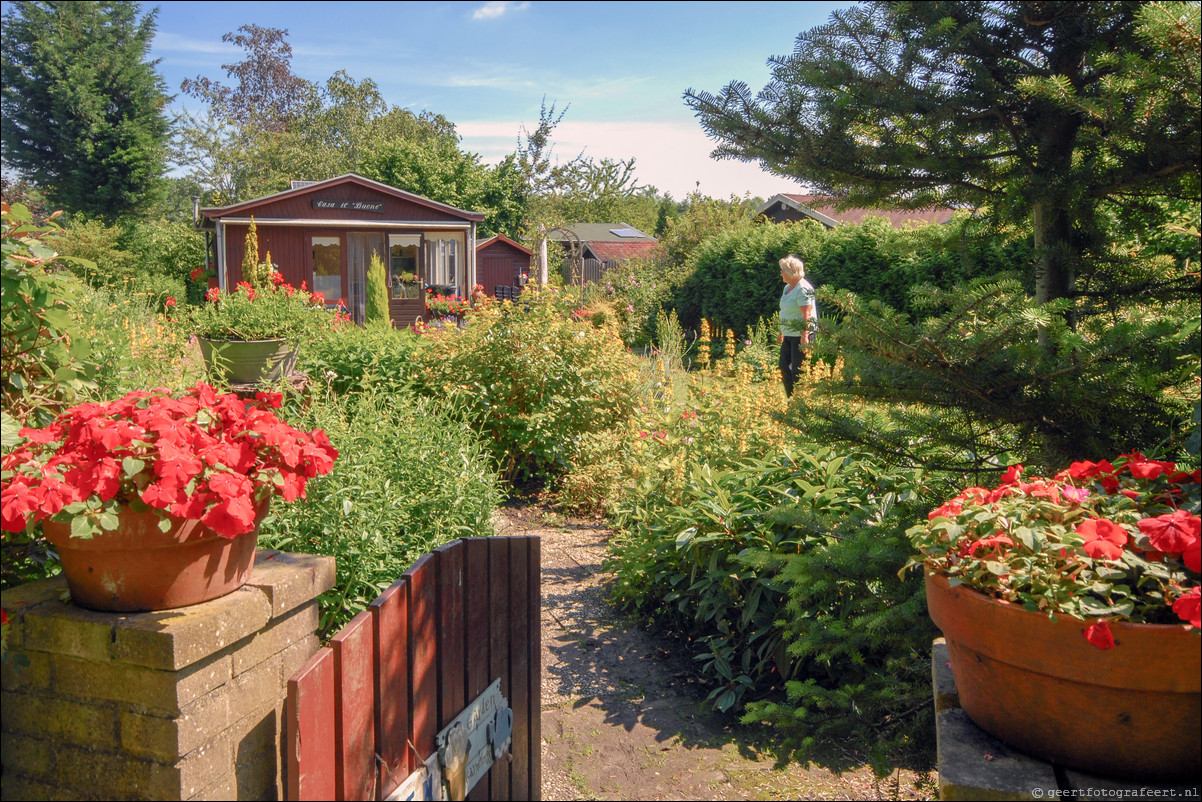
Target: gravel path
x=622 y=714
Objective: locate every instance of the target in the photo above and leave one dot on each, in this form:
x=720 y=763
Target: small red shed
x=324 y=233
x=501 y=262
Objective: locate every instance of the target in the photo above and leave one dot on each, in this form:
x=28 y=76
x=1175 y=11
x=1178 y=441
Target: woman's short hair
x=793 y=267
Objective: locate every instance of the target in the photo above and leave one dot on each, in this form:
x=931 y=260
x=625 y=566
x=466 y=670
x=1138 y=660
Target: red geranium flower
x=1188 y=607
x=1104 y=540
x=1099 y=635
x=201 y=456
x=1172 y=533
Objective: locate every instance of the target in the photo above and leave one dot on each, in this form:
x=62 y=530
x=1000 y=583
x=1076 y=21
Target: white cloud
x=498 y=8
x=673 y=157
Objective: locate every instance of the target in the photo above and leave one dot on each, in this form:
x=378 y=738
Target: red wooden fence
x=364 y=712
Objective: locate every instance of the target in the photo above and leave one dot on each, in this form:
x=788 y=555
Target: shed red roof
x=620 y=251
x=506 y=240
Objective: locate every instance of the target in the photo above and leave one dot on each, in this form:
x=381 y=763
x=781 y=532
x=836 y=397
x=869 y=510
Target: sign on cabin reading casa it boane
x=349 y=205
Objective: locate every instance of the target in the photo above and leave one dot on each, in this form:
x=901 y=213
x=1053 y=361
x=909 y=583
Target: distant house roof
x=816 y=207
x=621 y=251
x=609 y=242
x=501 y=238
x=602 y=232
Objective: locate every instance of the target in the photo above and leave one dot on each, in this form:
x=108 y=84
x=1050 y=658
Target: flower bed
x=275 y=311
x=200 y=456
x=1105 y=541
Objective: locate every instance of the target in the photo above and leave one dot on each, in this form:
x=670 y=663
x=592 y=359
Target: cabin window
x=444 y=262
x=327 y=267
x=402 y=265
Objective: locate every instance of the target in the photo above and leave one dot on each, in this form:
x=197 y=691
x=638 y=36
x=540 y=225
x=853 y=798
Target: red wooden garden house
x=324 y=233
x=502 y=266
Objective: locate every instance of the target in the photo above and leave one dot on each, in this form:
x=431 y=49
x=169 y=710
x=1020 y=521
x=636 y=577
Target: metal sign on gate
x=467 y=748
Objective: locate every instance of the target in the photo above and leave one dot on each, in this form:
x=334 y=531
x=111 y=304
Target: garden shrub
x=708 y=562
x=737 y=275
x=44 y=364
x=860 y=636
x=165 y=248
x=352 y=359
x=134 y=345
x=780 y=574
x=534 y=378
x=408 y=478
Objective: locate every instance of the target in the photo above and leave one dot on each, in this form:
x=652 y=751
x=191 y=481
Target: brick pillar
x=180 y=704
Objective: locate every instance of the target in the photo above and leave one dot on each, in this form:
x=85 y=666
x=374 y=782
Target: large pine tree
x=84 y=110
x=1039 y=111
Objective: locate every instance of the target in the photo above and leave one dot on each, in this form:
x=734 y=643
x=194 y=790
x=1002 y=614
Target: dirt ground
x=623 y=718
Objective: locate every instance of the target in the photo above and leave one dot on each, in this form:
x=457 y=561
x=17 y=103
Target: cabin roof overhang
x=209 y=215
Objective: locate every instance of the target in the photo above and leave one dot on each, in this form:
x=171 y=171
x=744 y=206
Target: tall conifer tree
x=1038 y=110
x=84 y=111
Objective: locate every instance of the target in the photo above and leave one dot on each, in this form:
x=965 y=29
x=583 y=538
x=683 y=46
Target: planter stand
x=181 y=704
x=974 y=765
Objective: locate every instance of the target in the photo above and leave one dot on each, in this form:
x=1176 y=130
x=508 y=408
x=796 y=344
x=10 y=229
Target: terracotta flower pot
x=138 y=567
x=1131 y=711
x=249 y=360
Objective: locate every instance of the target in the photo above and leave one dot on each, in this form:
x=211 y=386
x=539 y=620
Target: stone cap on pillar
x=44 y=620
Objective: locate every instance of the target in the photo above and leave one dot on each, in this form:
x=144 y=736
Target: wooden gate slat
x=498 y=643
x=450 y=632
x=423 y=656
x=354 y=709
x=459 y=618
x=476 y=634
x=390 y=626
x=310 y=729
x=534 y=641
x=519 y=667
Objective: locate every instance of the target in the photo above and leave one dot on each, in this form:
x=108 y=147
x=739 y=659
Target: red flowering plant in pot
x=1070 y=606
x=153 y=501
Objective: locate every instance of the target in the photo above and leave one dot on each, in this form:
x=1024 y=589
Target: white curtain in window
x=444 y=260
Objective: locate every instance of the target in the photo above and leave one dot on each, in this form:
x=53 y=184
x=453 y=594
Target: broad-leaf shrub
x=133 y=345
x=707 y=562
x=44 y=364
x=350 y=359
x=408 y=479
x=534 y=376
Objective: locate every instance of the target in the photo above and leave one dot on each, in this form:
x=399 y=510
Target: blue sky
x=620 y=68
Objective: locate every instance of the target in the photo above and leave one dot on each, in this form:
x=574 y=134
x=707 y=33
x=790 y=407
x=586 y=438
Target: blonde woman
x=798 y=318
